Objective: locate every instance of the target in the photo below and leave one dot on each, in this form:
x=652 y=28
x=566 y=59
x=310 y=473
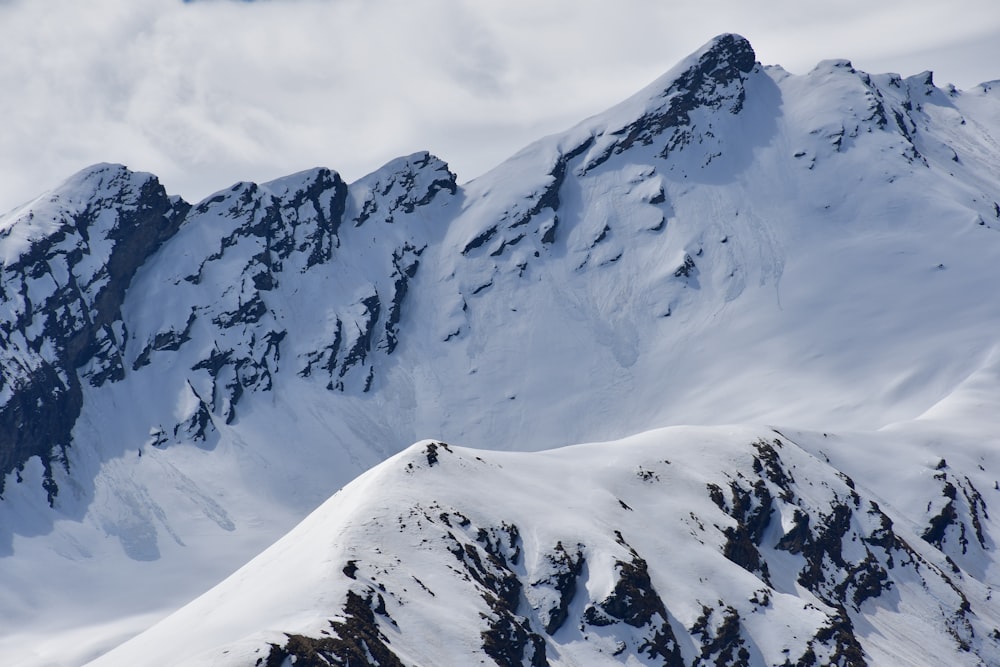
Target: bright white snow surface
x=842 y=279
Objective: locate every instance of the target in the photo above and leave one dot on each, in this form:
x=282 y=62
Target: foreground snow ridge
x=685 y=546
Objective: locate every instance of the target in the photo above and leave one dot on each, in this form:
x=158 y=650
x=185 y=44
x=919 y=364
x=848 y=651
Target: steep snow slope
x=732 y=244
x=814 y=222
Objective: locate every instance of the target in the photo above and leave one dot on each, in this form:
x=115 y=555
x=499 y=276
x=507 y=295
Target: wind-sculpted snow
x=687 y=546
x=732 y=244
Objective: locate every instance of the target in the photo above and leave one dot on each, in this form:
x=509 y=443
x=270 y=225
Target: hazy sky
x=207 y=93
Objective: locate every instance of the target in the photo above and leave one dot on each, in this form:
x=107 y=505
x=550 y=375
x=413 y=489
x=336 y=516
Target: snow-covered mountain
x=733 y=244
x=683 y=546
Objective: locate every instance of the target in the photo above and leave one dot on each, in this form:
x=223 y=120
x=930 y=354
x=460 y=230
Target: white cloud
x=210 y=92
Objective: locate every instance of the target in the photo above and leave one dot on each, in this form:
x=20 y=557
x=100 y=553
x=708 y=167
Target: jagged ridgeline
x=310 y=277
x=234 y=261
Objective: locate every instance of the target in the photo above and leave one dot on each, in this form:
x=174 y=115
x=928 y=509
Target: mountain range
x=766 y=299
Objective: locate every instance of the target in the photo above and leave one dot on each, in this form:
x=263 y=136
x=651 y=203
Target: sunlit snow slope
x=681 y=546
x=734 y=244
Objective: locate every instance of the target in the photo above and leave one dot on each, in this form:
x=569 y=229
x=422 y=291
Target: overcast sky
x=210 y=92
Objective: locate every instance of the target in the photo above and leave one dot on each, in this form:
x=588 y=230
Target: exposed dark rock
x=550 y=196
x=510 y=642
x=549 y=236
x=523 y=213
x=354 y=642
x=635 y=602
x=480 y=240
x=405 y=262
x=507 y=244
x=482 y=288
x=359 y=351
x=825 y=544
x=508 y=638
x=717 y=497
x=503 y=543
x=725 y=646
x=839 y=631
x=294 y=220
x=329 y=214
x=165 y=341
x=965 y=509
x=600 y=237
x=977 y=510
x=564 y=569
x=130 y=215
x=685 y=269
x=867 y=579
x=798 y=536
x=935 y=532
x=199 y=424
x=431 y=451
x=249 y=312
x=769 y=461
x=329 y=354
x=706 y=84
x=753 y=515
x=883 y=536
x=404 y=185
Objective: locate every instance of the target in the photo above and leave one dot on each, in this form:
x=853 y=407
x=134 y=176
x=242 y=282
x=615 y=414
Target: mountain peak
x=718 y=63
x=724 y=57
x=67 y=261
x=663 y=114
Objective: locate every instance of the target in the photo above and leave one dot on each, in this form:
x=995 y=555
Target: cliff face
x=68 y=260
x=71 y=256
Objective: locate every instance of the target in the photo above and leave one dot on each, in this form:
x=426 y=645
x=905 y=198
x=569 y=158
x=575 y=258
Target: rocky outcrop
x=233 y=264
x=713 y=80
x=68 y=260
x=635 y=602
x=354 y=641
